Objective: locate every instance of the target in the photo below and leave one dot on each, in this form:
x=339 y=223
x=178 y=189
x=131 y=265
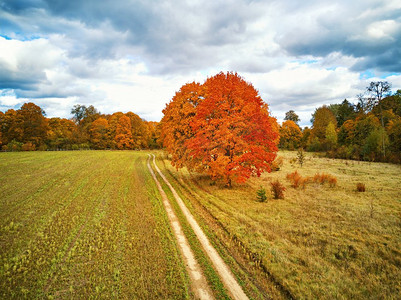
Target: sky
x=133 y=55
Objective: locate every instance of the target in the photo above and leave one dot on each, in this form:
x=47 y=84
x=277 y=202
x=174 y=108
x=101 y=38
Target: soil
x=199 y=284
x=221 y=267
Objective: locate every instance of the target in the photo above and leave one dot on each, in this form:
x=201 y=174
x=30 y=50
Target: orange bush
x=277 y=189
x=323 y=178
x=297 y=180
x=360 y=187
x=332 y=181
x=28 y=147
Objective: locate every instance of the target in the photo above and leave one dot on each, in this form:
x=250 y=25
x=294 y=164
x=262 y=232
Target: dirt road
x=223 y=270
x=198 y=281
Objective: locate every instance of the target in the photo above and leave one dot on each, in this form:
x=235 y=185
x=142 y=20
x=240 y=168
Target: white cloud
x=122 y=57
x=9 y=99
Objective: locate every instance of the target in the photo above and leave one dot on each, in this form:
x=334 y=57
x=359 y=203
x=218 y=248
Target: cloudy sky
x=132 y=55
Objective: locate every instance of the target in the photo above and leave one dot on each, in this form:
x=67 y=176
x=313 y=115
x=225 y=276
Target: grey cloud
x=171 y=37
x=25 y=77
x=344 y=30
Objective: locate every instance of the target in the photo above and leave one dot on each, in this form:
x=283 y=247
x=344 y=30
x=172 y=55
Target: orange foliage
x=290 y=135
x=98 y=133
x=297 y=180
x=323 y=178
x=221 y=127
x=234 y=136
x=123 y=134
x=277 y=189
x=175 y=125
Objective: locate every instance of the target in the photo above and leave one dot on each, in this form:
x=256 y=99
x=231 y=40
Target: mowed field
x=319 y=242
x=85 y=224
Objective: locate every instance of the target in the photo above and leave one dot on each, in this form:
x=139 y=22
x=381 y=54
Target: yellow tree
x=331 y=136
x=321 y=118
x=62 y=133
x=34 y=124
x=290 y=135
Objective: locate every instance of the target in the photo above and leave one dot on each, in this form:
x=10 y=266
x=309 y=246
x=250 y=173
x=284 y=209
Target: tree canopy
x=292 y=116
x=28 y=129
x=225 y=131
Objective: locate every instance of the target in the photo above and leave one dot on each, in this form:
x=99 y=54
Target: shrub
x=277 y=190
x=261 y=194
x=28 y=147
x=360 y=187
x=14 y=146
x=84 y=146
x=297 y=180
x=332 y=181
x=42 y=147
x=291 y=176
x=323 y=178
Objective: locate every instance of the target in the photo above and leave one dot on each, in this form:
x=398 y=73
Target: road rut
x=223 y=270
x=198 y=281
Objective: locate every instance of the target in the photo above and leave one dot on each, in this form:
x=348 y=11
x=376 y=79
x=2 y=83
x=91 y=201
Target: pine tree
x=261 y=194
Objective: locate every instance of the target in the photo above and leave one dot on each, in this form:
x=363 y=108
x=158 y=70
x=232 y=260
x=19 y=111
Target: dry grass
x=323 y=241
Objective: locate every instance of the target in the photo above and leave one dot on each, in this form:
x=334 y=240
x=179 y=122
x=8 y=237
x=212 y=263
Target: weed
x=371 y=207
x=332 y=181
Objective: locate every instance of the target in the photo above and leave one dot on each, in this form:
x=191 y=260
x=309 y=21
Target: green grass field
x=318 y=242
x=85 y=224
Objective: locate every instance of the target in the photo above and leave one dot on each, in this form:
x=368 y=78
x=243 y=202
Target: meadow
x=82 y=224
x=319 y=241
x=85 y=224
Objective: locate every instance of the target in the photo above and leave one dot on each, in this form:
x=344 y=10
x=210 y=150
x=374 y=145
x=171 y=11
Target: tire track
x=223 y=270
x=198 y=281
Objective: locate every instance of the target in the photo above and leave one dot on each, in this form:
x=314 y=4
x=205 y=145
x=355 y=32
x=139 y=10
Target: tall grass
x=324 y=241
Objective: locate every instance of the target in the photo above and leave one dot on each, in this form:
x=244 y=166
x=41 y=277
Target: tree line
x=369 y=130
x=28 y=128
x=195 y=130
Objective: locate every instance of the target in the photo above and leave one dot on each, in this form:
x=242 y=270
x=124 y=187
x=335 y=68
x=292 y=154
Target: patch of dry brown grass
x=320 y=241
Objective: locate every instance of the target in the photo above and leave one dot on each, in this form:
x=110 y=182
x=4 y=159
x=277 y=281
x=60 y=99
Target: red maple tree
x=228 y=133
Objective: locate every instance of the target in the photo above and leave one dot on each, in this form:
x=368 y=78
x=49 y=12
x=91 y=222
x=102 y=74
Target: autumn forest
x=222 y=118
